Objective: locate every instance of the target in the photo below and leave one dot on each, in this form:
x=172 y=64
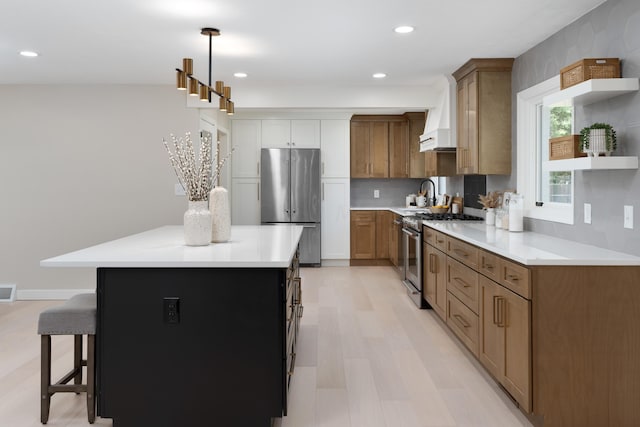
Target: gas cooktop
x=447 y=217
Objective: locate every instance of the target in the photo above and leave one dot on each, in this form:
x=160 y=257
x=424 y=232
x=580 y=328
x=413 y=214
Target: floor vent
x=7 y=293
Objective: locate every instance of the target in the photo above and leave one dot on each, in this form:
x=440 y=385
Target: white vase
x=220 y=215
x=597 y=142
x=197 y=224
x=491 y=216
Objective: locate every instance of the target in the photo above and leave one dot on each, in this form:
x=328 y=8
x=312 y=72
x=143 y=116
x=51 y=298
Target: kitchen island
x=191 y=336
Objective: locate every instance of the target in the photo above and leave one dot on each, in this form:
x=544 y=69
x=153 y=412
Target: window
x=548 y=195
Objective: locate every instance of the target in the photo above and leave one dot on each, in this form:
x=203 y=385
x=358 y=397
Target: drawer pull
x=462 y=282
x=461 y=252
x=513 y=277
x=487 y=266
x=300 y=310
x=462 y=321
x=439 y=241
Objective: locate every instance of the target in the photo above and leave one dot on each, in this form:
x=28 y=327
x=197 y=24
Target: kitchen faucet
x=433 y=200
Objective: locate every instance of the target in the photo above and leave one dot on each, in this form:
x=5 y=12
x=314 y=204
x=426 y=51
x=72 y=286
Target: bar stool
x=77 y=317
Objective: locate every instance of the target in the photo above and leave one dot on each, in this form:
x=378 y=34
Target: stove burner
x=447 y=217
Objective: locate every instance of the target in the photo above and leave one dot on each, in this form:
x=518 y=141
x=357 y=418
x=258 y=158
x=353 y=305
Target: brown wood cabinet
x=399 y=135
x=370 y=237
x=398 y=149
x=435 y=279
x=440 y=163
x=417 y=159
x=395 y=242
x=384 y=222
x=363 y=234
x=505 y=339
x=369 y=148
x=484 y=116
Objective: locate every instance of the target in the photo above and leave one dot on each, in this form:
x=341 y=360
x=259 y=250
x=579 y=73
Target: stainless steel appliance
x=290 y=181
x=412 y=243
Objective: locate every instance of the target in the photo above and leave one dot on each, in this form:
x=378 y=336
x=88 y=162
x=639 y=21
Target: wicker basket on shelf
x=565 y=147
x=589 y=68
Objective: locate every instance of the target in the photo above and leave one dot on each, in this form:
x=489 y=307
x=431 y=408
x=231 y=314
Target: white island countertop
x=531 y=248
x=250 y=246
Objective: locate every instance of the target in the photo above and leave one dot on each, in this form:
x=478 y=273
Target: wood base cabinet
x=435 y=279
x=363 y=234
x=505 y=339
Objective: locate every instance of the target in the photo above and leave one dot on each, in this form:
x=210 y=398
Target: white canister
x=455 y=208
x=516 y=212
x=421 y=201
x=491 y=216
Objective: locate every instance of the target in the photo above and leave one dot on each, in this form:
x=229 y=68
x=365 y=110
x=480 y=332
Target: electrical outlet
x=587 y=213
x=376 y=194
x=628 y=216
x=171 y=309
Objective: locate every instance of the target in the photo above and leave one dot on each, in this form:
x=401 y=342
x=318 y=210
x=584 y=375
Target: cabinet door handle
x=258 y=168
x=501 y=311
x=258 y=184
x=460 y=252
x=462 y=282
x=432 y=264
x=462 y=320
x=322 y=168
x=323 y=191
x=495 y=309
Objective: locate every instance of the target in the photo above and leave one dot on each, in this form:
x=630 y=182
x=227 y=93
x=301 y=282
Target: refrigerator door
x=276 y=185
x=305 y=185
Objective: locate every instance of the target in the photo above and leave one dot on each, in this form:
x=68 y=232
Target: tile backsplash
x=392 y=192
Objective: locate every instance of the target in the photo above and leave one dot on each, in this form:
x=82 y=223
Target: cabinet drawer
x=440 y=241
x=463 y=322
x=463 y=252
x=463 y=283
x=515 y=277
x=488 y=264
x=363 y=216
x=429 y=236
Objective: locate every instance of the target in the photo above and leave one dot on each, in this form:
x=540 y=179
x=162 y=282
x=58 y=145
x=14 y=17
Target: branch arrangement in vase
x=193 y=174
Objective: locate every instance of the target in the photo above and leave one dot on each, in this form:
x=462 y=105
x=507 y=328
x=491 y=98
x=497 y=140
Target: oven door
x=413 y=264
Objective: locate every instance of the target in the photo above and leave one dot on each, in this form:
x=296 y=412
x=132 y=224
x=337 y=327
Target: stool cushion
x=77 y=316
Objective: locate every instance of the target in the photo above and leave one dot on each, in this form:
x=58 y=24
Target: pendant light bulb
x=181 y=80
x=193 y=87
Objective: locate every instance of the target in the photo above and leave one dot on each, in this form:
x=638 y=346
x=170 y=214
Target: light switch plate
x=628 y=216
x=587 y=213
x=376 y=194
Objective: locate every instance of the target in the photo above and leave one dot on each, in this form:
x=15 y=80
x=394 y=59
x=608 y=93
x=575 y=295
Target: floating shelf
x=592 y=163
x=593 y=90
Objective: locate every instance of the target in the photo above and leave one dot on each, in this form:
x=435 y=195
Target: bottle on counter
x=516 y=202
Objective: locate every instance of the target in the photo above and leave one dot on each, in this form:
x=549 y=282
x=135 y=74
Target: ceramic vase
x=197 y=224
x=220 y=215
x=597 y=142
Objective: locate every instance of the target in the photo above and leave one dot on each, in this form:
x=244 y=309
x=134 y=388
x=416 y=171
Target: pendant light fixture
x=198 y=88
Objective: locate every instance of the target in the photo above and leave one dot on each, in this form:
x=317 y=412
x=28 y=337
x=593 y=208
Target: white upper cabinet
x=246 y=137
x=290 y=133
x=335 y=148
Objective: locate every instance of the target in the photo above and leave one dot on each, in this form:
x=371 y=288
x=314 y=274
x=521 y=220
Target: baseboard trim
x=49 y=294
x=335 y=263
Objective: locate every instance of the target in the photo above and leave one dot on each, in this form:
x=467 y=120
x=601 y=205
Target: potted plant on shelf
x=598 y=138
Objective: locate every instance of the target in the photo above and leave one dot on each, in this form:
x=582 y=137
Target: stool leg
x=45 y=377
x=91 y=378
x=77 y=359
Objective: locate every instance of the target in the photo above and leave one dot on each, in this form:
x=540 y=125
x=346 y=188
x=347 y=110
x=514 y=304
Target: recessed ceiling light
x=29 y=53
x=240 y=75
x=379 y=75
x=403 y=29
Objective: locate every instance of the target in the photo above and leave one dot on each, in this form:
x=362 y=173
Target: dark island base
x=220 y=360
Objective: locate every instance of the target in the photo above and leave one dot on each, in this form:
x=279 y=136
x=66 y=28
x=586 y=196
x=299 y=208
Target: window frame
x=528 y=102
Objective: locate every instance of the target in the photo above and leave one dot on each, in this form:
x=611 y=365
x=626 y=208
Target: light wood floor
x=367 y=357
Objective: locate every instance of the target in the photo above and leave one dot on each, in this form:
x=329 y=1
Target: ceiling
x=277 y=42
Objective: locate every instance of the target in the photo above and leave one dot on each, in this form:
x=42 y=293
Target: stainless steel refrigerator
x=290 y=181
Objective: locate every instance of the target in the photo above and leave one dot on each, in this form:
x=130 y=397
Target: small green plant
x=610 y=134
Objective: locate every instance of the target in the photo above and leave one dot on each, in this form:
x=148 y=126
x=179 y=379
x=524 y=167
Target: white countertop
x=250 y=246
x=397 y=210
x=532 y=248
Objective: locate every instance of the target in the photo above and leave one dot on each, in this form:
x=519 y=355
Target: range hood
x=439 y=131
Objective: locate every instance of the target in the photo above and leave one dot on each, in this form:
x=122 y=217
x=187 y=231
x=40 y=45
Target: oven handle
x=397 y=222
x=410 y=233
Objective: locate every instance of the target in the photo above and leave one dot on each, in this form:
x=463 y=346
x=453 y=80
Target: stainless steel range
x=412 y=247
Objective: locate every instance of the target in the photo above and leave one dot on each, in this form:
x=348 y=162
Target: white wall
x=81 y=165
